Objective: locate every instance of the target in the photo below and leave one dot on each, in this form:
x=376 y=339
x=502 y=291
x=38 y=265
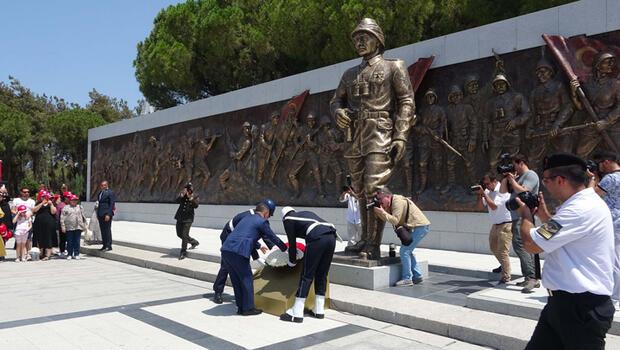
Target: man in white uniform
x=578 y=242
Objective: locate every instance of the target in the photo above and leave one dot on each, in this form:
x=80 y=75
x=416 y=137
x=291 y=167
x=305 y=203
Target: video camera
x=592 y=166
x=374 y=202
x=530 y=199
x=475 y=188
x=189 y=187
x=504 y=165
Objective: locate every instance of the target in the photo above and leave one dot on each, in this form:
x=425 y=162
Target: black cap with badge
x=563 y=159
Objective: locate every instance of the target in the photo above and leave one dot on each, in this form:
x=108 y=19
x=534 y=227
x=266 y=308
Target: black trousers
x=573 y=321
x=183 y=234
x=106 y=231
x=318 y=259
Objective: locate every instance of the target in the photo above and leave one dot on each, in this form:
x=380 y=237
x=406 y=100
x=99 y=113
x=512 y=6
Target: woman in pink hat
x=44 y=227
x=22 y=226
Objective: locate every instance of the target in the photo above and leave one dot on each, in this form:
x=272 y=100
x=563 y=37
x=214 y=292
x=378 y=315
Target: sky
x=68 y=47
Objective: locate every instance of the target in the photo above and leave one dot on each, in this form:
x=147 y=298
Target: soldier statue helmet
x=325 y=121
x=472 y=84
x=431 y=93
x=497 y=87
x=604 y=57
x=455 y=94
x=369 y=25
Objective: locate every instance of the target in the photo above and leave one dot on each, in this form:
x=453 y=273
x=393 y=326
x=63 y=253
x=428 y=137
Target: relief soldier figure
x=285 y=133
x=432 y=122
x=603 y=92
x=329 y=153
x=266 y=142
x=551 y=109
x=239 y=157
x=374 y=104
x=204 y=146
x=462 y=133
x=305 y=152
x=507 y=111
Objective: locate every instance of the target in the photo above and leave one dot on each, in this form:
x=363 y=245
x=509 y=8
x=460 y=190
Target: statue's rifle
x=443 y=142
x=572 y=77
x=565 y=130
x=308 y=137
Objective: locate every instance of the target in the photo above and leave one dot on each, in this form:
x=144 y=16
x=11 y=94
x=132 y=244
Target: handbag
x=402 y=232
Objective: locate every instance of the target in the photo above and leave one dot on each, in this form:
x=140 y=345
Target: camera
x=505 y=164
x=374 y=202
x=189 y=187
x=592 y=166
x=475 y=188
x=530 y=199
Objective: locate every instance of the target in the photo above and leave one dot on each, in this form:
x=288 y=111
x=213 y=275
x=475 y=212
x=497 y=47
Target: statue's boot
x=373 y=250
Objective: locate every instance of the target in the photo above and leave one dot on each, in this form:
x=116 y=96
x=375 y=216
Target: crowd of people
x=46 y=225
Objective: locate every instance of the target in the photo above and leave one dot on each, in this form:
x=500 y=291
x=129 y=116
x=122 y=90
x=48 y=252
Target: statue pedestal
x=350 y=270
x=275 y=288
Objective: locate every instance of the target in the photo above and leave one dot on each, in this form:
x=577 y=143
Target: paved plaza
x=96 y=303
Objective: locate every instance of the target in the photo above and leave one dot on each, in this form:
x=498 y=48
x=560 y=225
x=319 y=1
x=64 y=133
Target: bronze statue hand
x=554 y=131
x=398 y=150
x=510 y=126
x=342 y=120
x=602 y=124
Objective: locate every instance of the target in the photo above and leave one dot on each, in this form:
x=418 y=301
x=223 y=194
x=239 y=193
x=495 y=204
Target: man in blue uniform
x=236 y=252
x=578 y=243
x=220 y=280
x=320 y=239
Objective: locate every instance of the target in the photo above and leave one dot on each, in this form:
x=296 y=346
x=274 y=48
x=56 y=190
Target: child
x=22 y=226
x=73 y=222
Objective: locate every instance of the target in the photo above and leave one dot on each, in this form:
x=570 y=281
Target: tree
x=110 y=108
x=202 y=48
x=15 y=142
x=70 y=130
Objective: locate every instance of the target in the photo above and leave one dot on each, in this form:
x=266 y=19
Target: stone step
x=473 y=326
x=470 y=325
x=508 y=300
x=373 y=278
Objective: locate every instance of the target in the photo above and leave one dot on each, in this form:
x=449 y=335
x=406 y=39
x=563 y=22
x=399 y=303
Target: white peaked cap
x=287 y=210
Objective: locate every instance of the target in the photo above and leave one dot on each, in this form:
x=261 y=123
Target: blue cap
x=270 y=204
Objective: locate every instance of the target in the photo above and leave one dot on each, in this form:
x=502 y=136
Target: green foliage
x=70 y=130
x=202 y=48
x=29 y=182
x=109 y=108
x=15 y=129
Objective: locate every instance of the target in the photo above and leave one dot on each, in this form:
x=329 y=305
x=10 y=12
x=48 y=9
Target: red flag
x=294 y=103
x=418 y=70
x=579 y=52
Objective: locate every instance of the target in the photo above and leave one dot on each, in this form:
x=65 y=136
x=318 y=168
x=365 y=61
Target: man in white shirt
x=578 y=242
x=354 y=222
x=500 y=237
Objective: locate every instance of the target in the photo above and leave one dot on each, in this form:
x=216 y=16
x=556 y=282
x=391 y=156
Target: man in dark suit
x=222 y=275
x=105 y=212
x=185 y=217
x=236 y=252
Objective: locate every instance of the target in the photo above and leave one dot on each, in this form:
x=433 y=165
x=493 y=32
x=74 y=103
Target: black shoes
x=252 y=312
x=497 y=270
x=311 y=313
x=194 y=245
x=105 y=249
x=217 y=298
x=288 y=318
x=183 y=255
x=417 y=280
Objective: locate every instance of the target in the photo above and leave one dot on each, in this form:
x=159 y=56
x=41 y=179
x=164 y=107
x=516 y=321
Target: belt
x=582 y=296
x=505 y=222
x=374 y=114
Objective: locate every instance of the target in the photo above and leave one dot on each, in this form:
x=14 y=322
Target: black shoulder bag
x=402 y=232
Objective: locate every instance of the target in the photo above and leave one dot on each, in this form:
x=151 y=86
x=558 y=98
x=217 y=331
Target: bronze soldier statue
x=507 y=111
x=603 y=92
x=551 y=108
x=432 y=122
x=305 y=151
x=462 y=134
x=330 y=148
x=285 y=133
x=239 y=156
x=266 y=142
x=374 y=104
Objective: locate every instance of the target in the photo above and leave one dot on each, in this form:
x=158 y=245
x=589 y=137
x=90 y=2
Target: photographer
x=185 y=217
x=609 y=189
x=489 y=196
x=411 y=226
x=354 y=222
x=521 y=179
x=578 y=243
